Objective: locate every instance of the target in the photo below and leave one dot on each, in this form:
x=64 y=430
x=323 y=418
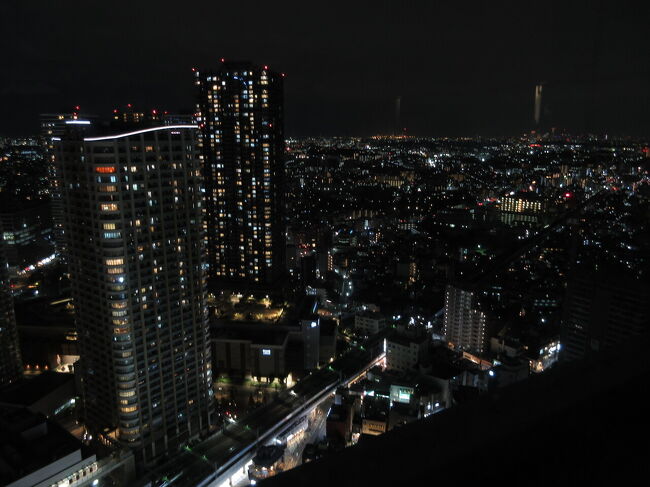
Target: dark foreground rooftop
x=583 y=422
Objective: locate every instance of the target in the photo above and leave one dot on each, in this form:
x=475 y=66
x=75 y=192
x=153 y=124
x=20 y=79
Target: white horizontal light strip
x=77 y=122
x=152 y=129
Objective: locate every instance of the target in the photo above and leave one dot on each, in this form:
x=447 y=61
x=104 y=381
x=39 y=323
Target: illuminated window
x=105 y=169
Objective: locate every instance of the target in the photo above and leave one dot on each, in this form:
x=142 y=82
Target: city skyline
x=375 y=242
x=469 y=71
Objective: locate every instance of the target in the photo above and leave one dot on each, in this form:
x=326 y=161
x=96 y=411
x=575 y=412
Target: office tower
x=465 y=325
x=10 y=362
x=240 y=115
x=134 y=233
x=602 y=310
x=53 y=127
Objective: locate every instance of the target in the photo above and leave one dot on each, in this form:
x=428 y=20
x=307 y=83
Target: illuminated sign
x=266 y=351
x=401 y=394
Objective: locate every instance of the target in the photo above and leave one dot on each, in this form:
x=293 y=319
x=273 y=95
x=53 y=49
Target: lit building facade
x=10 y=362
x=134 y=234
x=465 y=325
x=369 y=323
x=518 y=204
x=404 y=353
x=240 y=115
x=522 y=209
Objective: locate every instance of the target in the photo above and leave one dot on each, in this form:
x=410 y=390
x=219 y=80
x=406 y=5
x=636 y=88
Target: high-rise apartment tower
x=465 y=325
x=133 y=221
x=240 y=116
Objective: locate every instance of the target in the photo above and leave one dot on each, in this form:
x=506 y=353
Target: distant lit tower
x=134 y=233
x=538 y=104
x=240 y=115
x=10 y=361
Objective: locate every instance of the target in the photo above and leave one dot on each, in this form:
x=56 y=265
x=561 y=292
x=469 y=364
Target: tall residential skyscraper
x=11 y=366
x=465 y=325
x=240 y=116
x=53 y=127
x=134 y=233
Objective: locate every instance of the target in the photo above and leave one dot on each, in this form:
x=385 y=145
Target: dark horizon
x=459 y=71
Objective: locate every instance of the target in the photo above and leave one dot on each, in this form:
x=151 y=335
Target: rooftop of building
x=373 y=315
x=29 y=442
x=524 y=195
x=327 y=327
x=258 y=334
x=406 y=339
x=375 y=408
x=45 y=313
x=267 y=456
x=338 y=412
x=27 y=391
x=380 y=381
x=443 y=362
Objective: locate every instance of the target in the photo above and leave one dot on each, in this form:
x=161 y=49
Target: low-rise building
x=49 y=393
x=36 y=452
x=257 y=351
x=404 y=352
x=369 y=323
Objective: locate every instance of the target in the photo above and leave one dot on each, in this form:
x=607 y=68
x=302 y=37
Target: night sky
x=461 y=68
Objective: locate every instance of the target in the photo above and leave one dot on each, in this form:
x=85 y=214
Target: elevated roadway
x=226 y=454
